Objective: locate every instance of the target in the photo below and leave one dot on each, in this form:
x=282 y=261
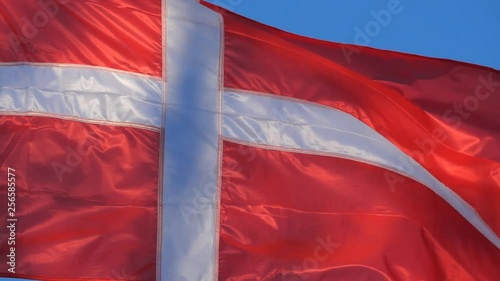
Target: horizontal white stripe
x=190 y=182
x=285 y=123
x=80 y=92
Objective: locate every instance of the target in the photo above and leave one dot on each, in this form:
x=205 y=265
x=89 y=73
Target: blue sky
x=458 y=29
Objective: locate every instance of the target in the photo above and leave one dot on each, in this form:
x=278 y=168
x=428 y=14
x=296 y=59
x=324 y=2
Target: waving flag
x=170 y=140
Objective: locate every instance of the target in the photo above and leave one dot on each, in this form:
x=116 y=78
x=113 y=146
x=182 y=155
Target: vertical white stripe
x=191 y=142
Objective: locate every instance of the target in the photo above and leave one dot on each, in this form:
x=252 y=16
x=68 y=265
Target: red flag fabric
x=434 y=110
x=73 y=76
x=299 y=212
x=173 y=140
x=293 y=216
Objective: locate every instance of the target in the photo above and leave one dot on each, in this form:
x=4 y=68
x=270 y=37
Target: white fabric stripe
x=289 y=124
x=191 y=142
x=81 y=92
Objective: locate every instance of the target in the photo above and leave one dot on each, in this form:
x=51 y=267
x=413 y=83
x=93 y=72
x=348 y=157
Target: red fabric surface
x=86 y=199
x=409 y=99
x=292 y=216
x=121 y=34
